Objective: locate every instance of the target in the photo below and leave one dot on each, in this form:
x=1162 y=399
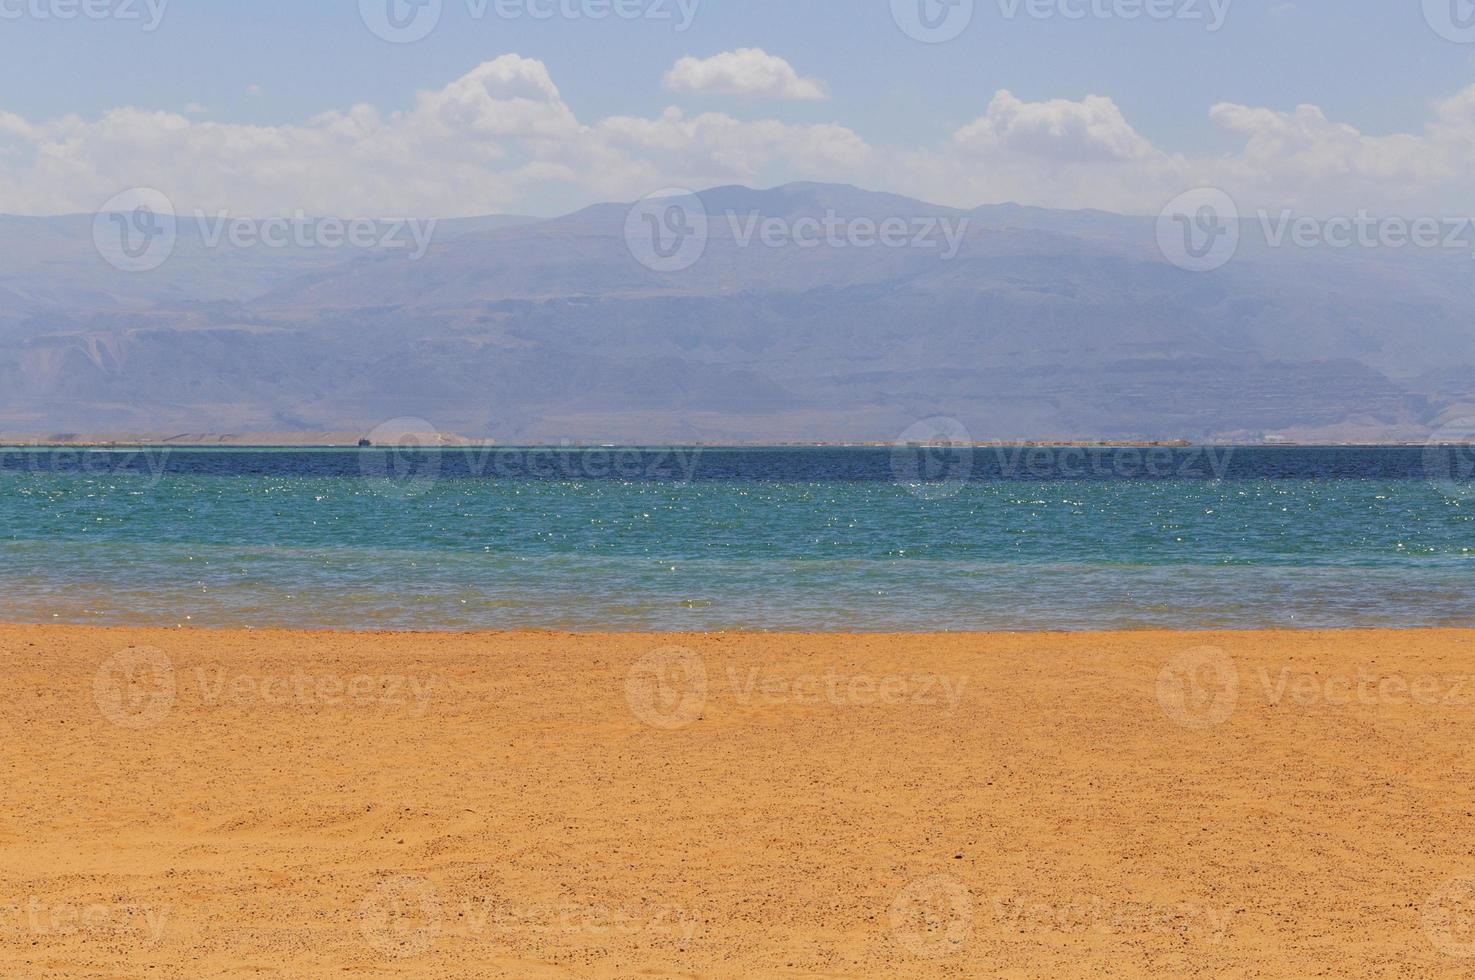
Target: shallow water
x=802 y=539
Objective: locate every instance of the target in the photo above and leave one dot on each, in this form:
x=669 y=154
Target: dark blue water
x=685 y=539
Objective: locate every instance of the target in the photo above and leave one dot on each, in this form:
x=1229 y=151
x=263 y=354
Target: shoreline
x=463 y=444
x=195 y=802
x=741 y=632
x=578 y=635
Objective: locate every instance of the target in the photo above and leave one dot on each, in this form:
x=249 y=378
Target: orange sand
x=260 y=804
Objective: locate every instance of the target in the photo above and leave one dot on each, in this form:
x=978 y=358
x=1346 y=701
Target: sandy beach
x=271 y=804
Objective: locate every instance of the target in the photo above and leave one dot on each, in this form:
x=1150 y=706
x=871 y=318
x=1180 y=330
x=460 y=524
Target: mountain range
x=1044 y=324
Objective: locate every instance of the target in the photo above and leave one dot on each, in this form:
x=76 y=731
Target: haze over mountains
x=1044 y=324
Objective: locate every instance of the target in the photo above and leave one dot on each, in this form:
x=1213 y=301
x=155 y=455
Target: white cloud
x=498 y=139
x=746 y=71
x=501 y=139
x=1063 y=153
x=1090 y=130
x=1304 y=159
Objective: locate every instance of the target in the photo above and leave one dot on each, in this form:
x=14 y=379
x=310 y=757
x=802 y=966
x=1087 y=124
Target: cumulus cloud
x=1064 y=153
x=501 y=138
x=1304 y=159
x=494 y=140
x=1090 y=130
x=746 y=71
x=1055 y=153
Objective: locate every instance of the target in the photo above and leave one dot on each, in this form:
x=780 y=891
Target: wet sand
x=271 y=804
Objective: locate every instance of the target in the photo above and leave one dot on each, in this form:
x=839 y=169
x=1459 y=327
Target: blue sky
x=1375 y=66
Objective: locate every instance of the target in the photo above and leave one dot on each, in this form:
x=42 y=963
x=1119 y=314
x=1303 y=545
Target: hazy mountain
x=1043 y=323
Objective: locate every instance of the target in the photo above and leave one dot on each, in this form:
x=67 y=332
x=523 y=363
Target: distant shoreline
x=225 y=443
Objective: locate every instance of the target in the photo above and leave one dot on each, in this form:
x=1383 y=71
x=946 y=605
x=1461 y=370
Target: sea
x=690 y=538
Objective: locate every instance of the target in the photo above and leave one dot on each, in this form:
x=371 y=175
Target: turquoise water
x=226 y=539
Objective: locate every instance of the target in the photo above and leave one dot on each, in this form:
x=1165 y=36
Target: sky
x=271 y=107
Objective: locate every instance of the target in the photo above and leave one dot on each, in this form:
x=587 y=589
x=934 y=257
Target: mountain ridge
x=1045 y=323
